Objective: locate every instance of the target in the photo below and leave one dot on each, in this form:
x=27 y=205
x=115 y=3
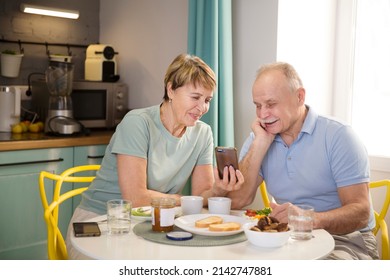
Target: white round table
x=133 y=247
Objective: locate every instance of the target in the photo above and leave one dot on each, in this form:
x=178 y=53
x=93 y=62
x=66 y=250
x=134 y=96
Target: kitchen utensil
x=219 y=205
x=10 y=64
x=59 y=79
x=9 y=107
x=191 y=204
x=187 y=223
x=265 y=239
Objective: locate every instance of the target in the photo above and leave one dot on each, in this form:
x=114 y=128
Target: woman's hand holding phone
x=226 y=156
x=227 y=175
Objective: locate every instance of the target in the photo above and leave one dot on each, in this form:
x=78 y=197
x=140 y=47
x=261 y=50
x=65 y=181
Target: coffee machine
x=59 y=80
x=100 y=64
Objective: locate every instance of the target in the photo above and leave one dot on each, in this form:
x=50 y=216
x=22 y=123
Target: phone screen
x=84 y=229
x=226 y=156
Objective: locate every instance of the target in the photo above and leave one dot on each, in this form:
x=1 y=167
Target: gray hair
x=288 y=71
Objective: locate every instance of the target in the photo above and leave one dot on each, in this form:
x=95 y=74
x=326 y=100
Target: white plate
x=142 y=218
x=149 y=218
x=188 y=223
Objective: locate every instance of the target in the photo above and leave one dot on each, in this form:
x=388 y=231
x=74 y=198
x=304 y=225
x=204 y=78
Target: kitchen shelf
x=46 y=44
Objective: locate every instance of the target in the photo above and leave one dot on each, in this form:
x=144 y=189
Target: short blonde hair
x=288 y=71
x=186 y=69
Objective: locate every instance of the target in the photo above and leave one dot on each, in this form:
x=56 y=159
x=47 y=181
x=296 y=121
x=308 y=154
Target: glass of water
x=300 y=221
x=118 y=216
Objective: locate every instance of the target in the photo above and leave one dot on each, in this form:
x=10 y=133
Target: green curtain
x=210 y=38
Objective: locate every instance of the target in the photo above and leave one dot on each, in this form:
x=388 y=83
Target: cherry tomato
x=250 y=213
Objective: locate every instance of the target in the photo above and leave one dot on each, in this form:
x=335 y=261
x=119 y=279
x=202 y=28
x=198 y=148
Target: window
x=343 y=57
x=371 y=76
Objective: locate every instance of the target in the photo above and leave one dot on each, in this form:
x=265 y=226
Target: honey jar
x=163 y=214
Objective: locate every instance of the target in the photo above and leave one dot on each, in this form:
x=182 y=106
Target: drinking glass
x=300 y=220
x=118 y=216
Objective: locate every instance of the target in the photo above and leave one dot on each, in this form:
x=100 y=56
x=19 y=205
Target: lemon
x=17 y=128
x=41 y=125
x=34 y=128
x=24 y=126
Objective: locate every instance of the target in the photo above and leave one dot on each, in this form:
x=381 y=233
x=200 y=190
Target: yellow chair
x=56 y=247
x=380 y=218
x=264 y=194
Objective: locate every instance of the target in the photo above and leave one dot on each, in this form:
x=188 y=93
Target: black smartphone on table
x=86 y=229
x=225 y=156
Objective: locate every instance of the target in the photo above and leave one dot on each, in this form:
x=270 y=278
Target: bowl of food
x=267 y=232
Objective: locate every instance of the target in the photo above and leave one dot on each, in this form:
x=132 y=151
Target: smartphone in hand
x=226 y=156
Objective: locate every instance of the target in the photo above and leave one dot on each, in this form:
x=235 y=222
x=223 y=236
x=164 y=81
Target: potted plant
x=10 y=63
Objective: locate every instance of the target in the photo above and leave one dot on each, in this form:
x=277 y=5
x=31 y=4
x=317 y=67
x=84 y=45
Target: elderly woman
x=155 y=150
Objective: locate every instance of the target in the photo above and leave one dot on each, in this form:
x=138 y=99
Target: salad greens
x=265 y=211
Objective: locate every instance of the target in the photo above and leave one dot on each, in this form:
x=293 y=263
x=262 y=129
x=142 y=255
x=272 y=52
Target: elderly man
x=306 y=158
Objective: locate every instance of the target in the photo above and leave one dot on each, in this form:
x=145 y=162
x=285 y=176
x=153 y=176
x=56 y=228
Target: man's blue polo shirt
x=326 y=155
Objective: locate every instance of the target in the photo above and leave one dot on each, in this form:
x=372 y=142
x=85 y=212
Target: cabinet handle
x=31 y=162
x=95 y=157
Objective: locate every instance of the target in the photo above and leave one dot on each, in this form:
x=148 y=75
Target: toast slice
x=206 y=222
x=230 y=226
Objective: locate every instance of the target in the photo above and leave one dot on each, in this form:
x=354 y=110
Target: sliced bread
x=206 y=222
x=230 y=226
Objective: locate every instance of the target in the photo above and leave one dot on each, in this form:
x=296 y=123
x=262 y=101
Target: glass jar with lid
x=163 y=214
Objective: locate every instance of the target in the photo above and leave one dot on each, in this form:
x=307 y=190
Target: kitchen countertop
x=26 y=141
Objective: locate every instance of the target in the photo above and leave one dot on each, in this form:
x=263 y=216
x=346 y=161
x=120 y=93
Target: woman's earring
x=170 y=100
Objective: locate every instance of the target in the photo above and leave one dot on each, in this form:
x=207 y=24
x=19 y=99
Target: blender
x=59 y=80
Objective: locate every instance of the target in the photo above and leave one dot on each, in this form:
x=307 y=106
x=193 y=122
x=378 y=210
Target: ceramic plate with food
x=188 y=223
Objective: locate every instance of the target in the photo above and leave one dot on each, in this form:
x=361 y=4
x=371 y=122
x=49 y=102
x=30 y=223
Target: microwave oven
x=95 y=104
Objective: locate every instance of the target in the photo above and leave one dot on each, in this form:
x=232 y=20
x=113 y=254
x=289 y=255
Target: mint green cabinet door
x=23 y=230
x=85 y=155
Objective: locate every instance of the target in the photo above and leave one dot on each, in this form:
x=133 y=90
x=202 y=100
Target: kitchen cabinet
x=85 y=155
x=23 y=230
x=89 y=154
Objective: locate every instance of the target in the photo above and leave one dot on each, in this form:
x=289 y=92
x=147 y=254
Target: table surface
x=133 y=247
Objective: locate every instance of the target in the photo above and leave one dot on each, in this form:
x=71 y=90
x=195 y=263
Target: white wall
x=254 y=43
x=148 y=34
x=306 y=40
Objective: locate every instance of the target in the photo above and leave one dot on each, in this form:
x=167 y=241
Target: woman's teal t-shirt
x=171 y=160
